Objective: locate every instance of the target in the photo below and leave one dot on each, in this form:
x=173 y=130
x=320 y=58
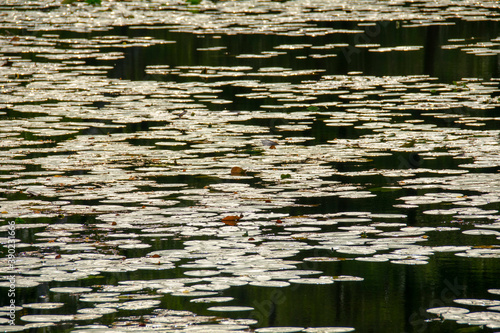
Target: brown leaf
x=232 y=219
x=237 y=171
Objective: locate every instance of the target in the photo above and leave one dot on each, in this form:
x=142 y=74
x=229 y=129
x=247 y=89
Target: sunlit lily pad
x=373 y=259
x=329 y=329
x=39 y=325
x=356 y=250
x=212 y=300
x=480 y=318
x=97 y=329
x=230 y=308
x=477 y=302
x=43 y=306
x=445 y=248
x=481 y=232
x=13 y=328
x=447 y=310
x=409 y=262
x=100 y=310
x=270 y=283
x=202 y=273
x=139 y=305
x=134 y=246
x=59 y=318
x=322 y=259
x=216 y=328
x=212 y=287
x=21 y=283
x=312 y=281
x=347 y=278
x=279 y=329
x=72 y=290
x=122 y=288
x=188 y=293
x=99 y=299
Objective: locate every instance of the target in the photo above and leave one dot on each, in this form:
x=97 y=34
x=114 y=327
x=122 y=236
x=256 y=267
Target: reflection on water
x=441 y=51
x=365 y=143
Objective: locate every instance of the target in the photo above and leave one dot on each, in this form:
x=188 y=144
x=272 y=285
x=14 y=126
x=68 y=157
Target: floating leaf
x=232 y=220
x=237 y=171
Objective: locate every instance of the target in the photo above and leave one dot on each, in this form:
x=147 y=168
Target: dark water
x=446 y=65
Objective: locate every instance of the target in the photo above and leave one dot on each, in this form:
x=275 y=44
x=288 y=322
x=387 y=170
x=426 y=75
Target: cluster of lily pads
x=180 y=159
x=462 y=315
x=289 y=18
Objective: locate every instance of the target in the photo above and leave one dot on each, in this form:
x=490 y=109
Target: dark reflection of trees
x=431 y=44
x=447 y=65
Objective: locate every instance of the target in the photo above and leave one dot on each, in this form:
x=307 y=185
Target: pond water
x=250 y=166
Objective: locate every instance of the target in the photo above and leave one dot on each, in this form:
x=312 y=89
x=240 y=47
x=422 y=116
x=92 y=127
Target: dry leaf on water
x=232 y=219
x=237 y=171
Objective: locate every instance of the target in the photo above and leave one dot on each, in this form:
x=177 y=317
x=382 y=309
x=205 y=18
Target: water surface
x=250 y=165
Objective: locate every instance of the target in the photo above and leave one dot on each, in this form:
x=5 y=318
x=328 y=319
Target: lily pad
x=212 y=299
x=312 y=281
x=329 y=329
x=448 y=310
x=71 y=290
x=230 y=308
x=279 y=329
x=43 y=306
x=13 y=328
x=477 y=302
